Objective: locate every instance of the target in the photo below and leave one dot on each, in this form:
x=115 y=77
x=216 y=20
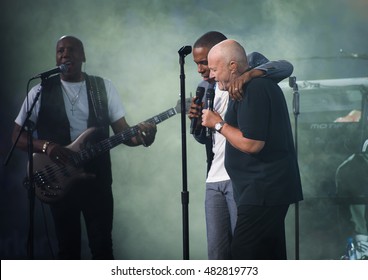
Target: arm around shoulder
x=277 y=70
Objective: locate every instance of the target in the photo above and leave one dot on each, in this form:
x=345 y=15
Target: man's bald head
x=227 y=60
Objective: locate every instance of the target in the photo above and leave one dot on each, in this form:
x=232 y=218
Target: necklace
x=72 y=99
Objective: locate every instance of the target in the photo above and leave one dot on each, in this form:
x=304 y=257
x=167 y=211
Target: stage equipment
x=183 y=52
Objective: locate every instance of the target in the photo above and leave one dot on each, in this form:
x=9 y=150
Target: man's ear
x=83 y=54
x=233 y=66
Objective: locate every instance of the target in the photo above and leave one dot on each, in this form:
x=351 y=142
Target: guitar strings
x=54 y=170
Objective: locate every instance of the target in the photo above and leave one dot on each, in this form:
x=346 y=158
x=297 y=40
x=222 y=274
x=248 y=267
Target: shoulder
x=255 y=59
x=97 y=78
x=105 y=80
x=261 y=82
x=109 y=85
x=204 y=84
x=261 y=85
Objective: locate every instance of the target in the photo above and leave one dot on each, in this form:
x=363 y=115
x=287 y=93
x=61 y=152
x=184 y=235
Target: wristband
x=45 y=145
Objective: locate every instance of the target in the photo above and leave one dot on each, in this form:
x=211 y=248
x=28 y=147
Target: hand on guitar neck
x=146 y=133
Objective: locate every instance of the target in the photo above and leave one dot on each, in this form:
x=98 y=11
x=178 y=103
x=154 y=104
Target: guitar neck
x=105 y=145
x=124 y=136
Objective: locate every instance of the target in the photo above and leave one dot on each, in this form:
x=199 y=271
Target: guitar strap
x=97 y=101
x=98 y=97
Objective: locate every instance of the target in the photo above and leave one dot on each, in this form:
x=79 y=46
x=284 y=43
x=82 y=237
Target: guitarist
x=69 y=104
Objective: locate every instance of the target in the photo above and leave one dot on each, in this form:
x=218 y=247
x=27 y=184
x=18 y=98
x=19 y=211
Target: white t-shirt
x=76 y=94
x=218 y=172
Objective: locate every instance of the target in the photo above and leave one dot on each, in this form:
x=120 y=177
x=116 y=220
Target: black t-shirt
x=270 y=177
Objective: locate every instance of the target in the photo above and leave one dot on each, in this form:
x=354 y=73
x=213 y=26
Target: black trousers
x=95 y=203
x=260 y=233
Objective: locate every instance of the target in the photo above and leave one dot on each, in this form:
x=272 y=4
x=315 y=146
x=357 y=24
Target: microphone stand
x=183 y=52
x=29 y=126
x=294 y=85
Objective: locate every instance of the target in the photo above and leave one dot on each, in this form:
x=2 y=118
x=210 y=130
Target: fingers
x=235 y=92
x=195 y=109
x=210 y=118
x=147 y=133
x=236 y=95
x=236 y=89
x=148 y=128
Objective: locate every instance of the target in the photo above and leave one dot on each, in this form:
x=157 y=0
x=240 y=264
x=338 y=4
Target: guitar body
x=52 y=181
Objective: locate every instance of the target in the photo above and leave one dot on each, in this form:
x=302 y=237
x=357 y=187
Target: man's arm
x=238 y=141
x=261 y=67
x=276 y=70
x=23 y=140
x=232 y=134
x=145 y=137
x=57 y=153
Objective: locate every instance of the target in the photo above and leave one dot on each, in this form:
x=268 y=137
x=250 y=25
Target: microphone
x=199 y=95
x=185 y=50
x=210 y=96
x=60 y=69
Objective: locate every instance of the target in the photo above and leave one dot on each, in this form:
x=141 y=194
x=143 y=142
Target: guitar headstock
x=187 y=101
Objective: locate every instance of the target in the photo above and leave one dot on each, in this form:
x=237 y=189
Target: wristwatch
x=219 y=125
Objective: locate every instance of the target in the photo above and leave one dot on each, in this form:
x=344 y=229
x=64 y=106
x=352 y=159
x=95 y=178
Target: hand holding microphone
x=210 y=119
x=210 y=97
x=195 y=109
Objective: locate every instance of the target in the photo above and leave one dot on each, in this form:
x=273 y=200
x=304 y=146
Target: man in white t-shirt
x=68 y=105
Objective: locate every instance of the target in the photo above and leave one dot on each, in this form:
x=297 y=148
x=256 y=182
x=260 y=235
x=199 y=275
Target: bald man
x=259 y=157
x=220 y=206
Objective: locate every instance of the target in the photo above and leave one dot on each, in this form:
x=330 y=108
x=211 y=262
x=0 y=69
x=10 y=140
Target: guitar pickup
x=52 y=187
x=47 y=194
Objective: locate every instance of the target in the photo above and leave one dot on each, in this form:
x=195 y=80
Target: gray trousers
x=221 y=214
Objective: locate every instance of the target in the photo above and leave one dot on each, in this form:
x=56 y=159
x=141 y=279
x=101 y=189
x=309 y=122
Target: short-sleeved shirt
x=270 y=177
x=78 y=121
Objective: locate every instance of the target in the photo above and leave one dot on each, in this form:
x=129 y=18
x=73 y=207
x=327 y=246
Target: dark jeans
x=96 y=205
x=260 y=233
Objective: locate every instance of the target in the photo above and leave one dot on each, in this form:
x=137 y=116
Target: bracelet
x=45 y=145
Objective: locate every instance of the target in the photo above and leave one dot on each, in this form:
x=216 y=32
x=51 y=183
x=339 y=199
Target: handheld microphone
x=199 y=95
x=60 y=69
x=210 y=96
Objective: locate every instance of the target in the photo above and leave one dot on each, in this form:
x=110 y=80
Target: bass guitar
x=52 y=181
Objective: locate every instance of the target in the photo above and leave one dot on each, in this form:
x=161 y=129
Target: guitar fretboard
x=94 y=150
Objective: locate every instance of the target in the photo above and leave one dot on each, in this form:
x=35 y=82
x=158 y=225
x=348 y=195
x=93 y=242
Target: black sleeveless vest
x=53 y=123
